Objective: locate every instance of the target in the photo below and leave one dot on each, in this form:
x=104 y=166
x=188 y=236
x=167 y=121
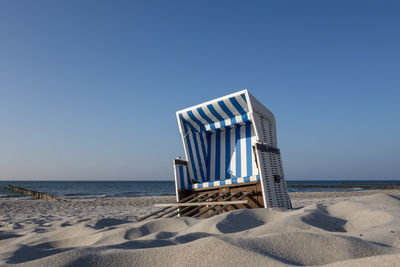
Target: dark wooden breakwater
x=345 y=186
x=32 y=193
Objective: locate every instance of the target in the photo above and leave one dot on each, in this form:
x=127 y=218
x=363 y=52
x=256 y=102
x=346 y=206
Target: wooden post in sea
x=344 y=186
x=32 y=193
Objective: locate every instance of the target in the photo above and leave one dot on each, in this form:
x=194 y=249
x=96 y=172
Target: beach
x=344 y=228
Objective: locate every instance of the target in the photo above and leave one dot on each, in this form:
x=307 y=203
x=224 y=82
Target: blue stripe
x=203 y=149
x=244 y=98
x=234 y=181
x=208 y=155
x=227 y=153
x=181 y=176
x=204 y=116
x=210 y=184
x=197 y=150
x=189 y=146
x=193 y=117
x=217 y=155
x=236 y=104
x=239 y=108
x=246 y=179
x=249 y=150
x=227 y=111
x=216 y=114
x=186 y=122
x=222 y=182
x=238 y=152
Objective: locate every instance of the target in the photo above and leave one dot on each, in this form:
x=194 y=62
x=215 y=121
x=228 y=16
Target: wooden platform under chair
x=207 y=202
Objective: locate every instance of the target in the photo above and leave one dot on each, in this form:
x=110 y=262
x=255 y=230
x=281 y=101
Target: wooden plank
x=234 y=202
x=158 y=211
x=192 y=210
x=245 y=194
x=181 y=211
x=174 y=209
x=228 y=198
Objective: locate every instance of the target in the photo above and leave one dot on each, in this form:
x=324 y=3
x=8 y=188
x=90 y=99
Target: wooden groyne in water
x=345 y=186
x=372 y=183
x=32 y=193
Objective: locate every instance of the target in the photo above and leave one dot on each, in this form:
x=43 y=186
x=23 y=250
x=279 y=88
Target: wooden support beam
x=191 y=197
x=212 y=207
x=234 y=202
x=194 y=210
x=183 y=210
x=174 y=209
x=225 y=206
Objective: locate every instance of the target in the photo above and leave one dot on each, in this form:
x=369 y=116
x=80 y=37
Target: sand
x=325 y=228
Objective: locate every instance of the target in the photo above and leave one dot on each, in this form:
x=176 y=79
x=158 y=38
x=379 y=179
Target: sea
x=101 y=189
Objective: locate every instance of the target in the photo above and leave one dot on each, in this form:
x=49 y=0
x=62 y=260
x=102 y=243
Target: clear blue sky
x=89 y=89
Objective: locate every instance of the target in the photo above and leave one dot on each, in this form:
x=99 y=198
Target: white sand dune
x=342 y=229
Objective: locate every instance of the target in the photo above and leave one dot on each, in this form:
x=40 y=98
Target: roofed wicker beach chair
x=232 y=159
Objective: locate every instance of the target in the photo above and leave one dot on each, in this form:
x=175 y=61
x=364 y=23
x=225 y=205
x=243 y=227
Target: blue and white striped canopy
x=218 y=136
x=218 y=114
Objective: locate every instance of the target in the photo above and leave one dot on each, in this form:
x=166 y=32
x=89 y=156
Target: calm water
x=97 y=189
x=91 y=189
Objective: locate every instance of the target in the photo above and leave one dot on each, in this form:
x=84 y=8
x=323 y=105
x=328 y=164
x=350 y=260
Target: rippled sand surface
x=360 y=228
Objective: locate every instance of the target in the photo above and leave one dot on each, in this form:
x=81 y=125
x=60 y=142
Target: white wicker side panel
x=275 y=189
x=176 y=176
x=182 y=181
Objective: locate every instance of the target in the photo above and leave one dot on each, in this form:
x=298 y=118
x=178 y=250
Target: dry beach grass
x=335 y=228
